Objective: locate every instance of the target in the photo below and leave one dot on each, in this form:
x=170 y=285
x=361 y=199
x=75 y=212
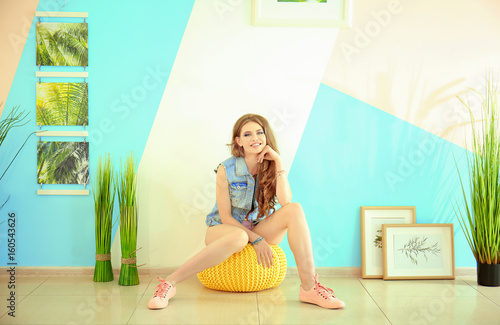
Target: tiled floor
x=79 y=300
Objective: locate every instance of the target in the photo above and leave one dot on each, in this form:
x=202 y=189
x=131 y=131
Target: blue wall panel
x=351 y=155
x=132 y=47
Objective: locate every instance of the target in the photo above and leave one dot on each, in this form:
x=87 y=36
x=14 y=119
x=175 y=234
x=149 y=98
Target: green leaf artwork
x=418 y=246
x=378 y=239
x=63 y=162
x=62 y=103
x=62 y=44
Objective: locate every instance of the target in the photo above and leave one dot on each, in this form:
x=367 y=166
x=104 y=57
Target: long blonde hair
x=266 y=189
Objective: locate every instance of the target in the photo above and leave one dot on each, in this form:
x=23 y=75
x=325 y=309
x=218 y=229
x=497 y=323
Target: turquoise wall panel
x=132 y=47
x=351 y=155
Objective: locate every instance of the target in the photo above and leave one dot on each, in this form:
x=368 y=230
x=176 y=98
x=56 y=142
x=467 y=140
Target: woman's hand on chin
x=268 y=153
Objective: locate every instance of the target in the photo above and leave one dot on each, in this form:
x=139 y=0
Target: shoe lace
x=325 y=292
x=322 y=290
x=162 y=288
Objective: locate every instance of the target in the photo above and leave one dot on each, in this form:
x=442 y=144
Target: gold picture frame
x=418 y=251
x=372 y=218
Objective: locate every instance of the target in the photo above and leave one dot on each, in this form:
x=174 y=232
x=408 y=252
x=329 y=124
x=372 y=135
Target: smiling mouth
x=256 y=145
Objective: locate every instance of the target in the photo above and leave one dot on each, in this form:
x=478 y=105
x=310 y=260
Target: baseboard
x=346 y=272
x=465 y=271
x=341 y=272
x=82 y=270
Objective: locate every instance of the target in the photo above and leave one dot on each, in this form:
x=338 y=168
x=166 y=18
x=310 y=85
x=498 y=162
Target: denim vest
x=241 y=192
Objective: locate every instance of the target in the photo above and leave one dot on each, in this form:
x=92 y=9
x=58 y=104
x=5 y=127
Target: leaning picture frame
x=372 y=219
x=302 y=13
x=418 y=251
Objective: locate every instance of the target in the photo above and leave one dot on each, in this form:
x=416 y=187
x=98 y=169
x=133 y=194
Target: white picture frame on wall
x=302 y=13
x=418 y=251
x=372 y=219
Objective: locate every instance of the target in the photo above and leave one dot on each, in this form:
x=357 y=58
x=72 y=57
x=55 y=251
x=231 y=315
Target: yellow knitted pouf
x=241 y=272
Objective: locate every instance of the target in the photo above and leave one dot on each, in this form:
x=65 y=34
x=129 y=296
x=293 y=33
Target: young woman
x=247 y=186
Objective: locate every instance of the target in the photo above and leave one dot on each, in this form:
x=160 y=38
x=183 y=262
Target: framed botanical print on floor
x=372 y=219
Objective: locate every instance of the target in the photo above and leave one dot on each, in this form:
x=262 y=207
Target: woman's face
x=252 y=138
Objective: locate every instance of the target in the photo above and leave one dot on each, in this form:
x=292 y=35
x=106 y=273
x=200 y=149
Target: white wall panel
x=413 y=58
x=224 y=68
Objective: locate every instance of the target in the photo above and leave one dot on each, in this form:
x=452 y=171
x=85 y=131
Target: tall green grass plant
x=104 y=200
x=126 y=183
x=479 y=216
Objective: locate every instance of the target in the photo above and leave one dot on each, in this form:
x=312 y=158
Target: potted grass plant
x=479 y=216
x=104 y=200
x=126 y=183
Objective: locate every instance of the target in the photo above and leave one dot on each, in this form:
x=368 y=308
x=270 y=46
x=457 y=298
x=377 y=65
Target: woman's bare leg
x=291 y=218
x=222 y=241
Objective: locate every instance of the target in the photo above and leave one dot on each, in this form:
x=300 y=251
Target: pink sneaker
x=321 y=296
x=164 y=291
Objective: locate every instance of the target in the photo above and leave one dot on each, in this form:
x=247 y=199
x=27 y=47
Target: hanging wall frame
x=61 y=43
x=62 y=103
x=62 y=162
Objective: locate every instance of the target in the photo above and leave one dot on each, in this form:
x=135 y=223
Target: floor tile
x=447 y=309
x=6 y=308
x=280 y=309
x=419 y=288
x=492 y=293
x=70 y=310
x=495 y=299
x=341 y=286
x=79 y=300
x=485 y=290
x=85 y=286
x=189 y=287
x=218 y=308
x=24 y=284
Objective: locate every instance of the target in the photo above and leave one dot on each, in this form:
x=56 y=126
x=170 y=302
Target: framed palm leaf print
x=62 y=103
x=62 y=162
x=62 y=44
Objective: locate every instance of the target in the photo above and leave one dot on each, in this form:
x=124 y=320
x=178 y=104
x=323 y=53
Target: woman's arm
x=283 y=191
x=224 y=204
